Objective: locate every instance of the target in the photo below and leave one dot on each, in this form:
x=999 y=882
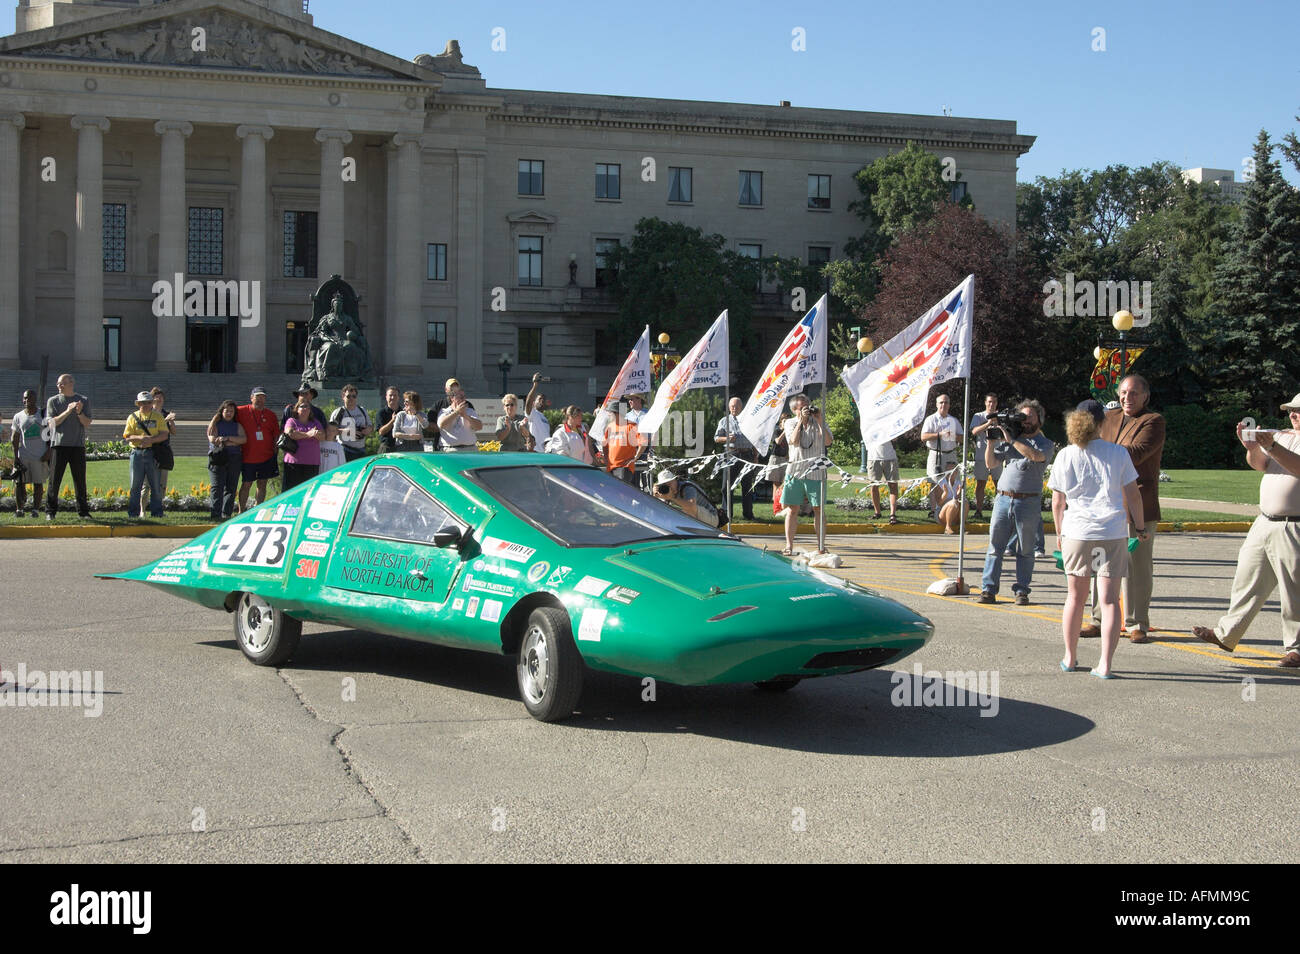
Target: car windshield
x=579 y=506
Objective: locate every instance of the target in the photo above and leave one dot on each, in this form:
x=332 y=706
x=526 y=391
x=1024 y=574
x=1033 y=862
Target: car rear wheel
x=550 y=668
x=779 y=684
x=267 y=636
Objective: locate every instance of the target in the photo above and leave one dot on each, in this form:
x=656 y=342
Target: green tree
x=1257 y=293
x=677 y=279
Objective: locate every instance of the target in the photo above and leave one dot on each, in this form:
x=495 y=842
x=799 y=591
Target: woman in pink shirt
x=304 y=463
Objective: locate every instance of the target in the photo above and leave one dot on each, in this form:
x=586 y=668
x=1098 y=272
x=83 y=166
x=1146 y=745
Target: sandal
x=787 y=552
x=893 y=518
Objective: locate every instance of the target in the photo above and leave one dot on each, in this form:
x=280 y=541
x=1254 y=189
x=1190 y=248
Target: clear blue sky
x=1190 y=82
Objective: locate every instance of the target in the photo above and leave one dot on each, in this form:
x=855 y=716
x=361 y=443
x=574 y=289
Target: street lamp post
x=505 y=364
x=662 y=357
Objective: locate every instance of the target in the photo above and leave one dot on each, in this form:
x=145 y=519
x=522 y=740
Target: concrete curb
x=182 y=532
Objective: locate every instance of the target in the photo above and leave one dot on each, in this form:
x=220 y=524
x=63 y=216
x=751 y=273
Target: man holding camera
x=940 y=431
x=979 y=426
x=808 y=438
x=1270 y=557
x=1018 y=508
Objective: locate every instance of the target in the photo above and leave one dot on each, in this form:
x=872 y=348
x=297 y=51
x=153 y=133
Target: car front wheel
x=550 y=668
x=267 y=636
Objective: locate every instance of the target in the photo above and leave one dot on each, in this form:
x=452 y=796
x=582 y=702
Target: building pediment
x=531 y=217
x=213 y=34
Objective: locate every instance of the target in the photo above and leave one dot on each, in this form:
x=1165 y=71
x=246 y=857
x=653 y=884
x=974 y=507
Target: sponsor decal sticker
x=279 y=513
x=592 y=585
x=621 y=594
x=457 y=605
x=471 y=608
x=327 y=504
x=292 y=511
x=514 y=552
x=809 y=596
x=317 y=531
x=537 y=571
x=593 y=621
x=311 y=549
x=340 y=478
x=491 y=611
x=307 y=569
x=556 y=578
x=483 y=566
x=474 y=585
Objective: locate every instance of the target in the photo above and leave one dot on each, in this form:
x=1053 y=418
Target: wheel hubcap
x=255 y=622
x=533 y=665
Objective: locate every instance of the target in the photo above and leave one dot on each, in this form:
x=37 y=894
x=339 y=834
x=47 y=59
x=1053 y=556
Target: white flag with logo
x=799 y=361
x=705 y=366
x=632 y=378
x=892 y=384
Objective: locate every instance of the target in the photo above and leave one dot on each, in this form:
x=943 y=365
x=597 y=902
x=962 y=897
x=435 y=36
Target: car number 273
x=253 y=545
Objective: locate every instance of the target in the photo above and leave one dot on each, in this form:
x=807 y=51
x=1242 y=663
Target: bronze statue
x=337 y=352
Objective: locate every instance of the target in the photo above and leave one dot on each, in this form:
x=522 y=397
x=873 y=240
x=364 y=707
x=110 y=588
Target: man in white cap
x=1270 y=557
x=144 y=428
x=669 y=491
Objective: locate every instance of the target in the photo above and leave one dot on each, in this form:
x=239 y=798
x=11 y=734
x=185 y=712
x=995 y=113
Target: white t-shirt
x=1093 y=479
x=537 y=424
x=331 y=455
x=947 y=427
x=883 y=451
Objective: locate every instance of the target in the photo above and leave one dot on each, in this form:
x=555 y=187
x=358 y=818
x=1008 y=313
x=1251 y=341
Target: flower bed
x=116 y=498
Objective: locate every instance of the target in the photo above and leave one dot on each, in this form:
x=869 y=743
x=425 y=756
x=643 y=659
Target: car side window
x=394 y=507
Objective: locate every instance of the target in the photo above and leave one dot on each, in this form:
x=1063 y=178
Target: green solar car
x=532 y=555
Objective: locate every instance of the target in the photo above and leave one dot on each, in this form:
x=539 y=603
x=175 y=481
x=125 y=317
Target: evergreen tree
x=1257 y=296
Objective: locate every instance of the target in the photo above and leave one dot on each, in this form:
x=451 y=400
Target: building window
x=530 y=177
x=530 y=260
x=295 y=346
x=114 y=236
x=206 y=242
x=435 y=339
x=958 y=191
x=112 y=344
x=819 y=255
x=751 y=188
x=607 y=180
x=605 y=348
x=755 y=252
x=679 y=184
x=819 y=192
x=604 y=274
x=530 y=345
x=436 y=263
x=300 y=244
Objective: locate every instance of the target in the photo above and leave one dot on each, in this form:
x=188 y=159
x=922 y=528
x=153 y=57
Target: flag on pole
x=632 y=378
x=799 y=361
x=704 y=366
x=891 y=385
x=1106 y=375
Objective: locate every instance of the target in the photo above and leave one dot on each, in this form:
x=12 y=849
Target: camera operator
x=940 y=431
x=808 y=438
x=1018 y=508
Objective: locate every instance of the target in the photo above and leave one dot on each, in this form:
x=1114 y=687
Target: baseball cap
x=666 y=477
x=1294 y=405
x=144 y=397
x=256 y=391
x=1095 y=409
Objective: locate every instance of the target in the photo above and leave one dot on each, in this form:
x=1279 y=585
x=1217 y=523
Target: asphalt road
x=200 y=756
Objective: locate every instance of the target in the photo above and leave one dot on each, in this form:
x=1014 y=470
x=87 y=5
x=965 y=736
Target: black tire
x=779 y=684
x=550 y=668
x=267 y=636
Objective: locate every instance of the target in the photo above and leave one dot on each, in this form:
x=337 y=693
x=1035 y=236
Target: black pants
x=75 y=459
x=225 y=485
x=349 y=454
x=746 y=488
x=295 y=474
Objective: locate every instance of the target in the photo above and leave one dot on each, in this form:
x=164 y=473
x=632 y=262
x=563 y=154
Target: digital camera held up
x=1011 y=422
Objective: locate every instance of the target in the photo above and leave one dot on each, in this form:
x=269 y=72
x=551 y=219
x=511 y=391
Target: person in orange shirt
x=624 y=444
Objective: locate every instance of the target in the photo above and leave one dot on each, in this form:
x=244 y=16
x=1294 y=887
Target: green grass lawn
x=1231 y=486
x=189 y=472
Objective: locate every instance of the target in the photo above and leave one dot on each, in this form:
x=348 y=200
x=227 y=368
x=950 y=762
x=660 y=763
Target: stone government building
x=234 y=140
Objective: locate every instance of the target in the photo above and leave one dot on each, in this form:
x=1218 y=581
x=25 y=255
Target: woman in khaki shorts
x=1093 y=482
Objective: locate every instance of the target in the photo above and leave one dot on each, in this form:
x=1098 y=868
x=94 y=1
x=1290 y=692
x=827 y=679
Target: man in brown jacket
x=1141 y=431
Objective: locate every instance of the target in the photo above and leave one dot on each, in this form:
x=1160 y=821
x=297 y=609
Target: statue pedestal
x=371 y=400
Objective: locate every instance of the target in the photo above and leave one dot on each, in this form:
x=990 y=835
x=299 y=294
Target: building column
x=173 y=232
x=470 y=189
x=252 y=240
x=329 y=230
x=88 y=290
x=406 y=327
x=11 y=125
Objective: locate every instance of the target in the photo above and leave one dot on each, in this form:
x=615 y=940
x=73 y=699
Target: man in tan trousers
x=1270 y=557
x=1141 y=431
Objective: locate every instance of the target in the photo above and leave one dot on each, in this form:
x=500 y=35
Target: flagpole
x=965 y=444
x=825 y=358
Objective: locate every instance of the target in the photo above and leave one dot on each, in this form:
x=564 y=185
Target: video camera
x=1012 y=423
